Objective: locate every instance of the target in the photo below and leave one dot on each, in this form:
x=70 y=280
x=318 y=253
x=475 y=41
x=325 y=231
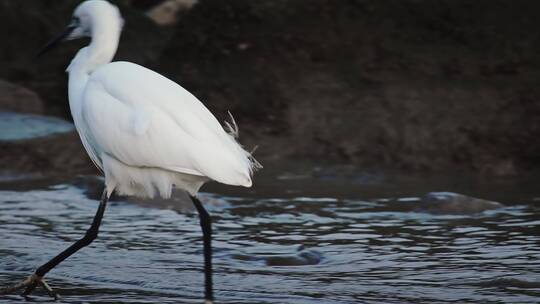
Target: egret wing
x=145 y=120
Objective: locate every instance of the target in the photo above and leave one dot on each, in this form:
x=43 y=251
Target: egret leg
x=206 y=225
x=37 y=277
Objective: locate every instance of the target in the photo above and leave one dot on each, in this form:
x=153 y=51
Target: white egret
x=145 y=132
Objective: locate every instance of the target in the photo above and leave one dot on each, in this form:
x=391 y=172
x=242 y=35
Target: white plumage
x=145 y=132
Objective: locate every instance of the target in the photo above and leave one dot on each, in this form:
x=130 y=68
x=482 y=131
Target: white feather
x=146 y=132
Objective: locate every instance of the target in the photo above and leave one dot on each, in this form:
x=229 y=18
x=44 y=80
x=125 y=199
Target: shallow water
x=18 y=127
x=372 y=250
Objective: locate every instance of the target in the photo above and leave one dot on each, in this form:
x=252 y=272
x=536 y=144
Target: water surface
x=18 y=126
x=366 y=250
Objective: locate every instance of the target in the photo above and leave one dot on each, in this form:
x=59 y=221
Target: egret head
x=89 y=18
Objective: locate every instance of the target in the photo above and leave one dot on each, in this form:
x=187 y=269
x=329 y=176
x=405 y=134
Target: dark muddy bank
x=423 y=85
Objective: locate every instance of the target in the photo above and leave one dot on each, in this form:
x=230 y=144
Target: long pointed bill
x=51 y=44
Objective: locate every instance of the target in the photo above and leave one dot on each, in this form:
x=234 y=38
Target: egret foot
x=29 y=285
x=37 y=278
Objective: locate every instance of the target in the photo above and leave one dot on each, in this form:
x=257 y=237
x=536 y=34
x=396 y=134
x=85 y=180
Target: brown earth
x=430 y=85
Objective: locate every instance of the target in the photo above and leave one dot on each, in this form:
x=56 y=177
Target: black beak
x=54 y=42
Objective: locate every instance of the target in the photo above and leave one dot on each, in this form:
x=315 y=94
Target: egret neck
x=105 y=37
x=102 y=48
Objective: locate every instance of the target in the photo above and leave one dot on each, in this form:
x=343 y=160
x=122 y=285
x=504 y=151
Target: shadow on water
x=310 y=237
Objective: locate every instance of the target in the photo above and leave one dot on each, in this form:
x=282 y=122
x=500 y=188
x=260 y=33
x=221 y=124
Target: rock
x=167 y=12
x=455 y=203
x=36 y=146
x=301 y=258
x=16 y=98
x=58 y=155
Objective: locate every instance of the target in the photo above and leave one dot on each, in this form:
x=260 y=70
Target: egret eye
x=75 y=21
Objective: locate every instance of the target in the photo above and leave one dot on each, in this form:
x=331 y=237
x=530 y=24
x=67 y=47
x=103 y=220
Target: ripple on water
x=278 y=250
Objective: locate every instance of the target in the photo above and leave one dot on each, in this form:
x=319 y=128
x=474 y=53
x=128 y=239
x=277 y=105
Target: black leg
x=90 y=235
x=206 y=225
x=37 y=278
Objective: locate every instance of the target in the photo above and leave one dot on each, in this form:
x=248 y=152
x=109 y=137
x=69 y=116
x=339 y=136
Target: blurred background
x=413 y=85
x=370 y=117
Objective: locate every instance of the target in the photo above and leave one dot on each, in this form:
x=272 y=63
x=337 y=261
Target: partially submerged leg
x=37 y=277
x=206 y=225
